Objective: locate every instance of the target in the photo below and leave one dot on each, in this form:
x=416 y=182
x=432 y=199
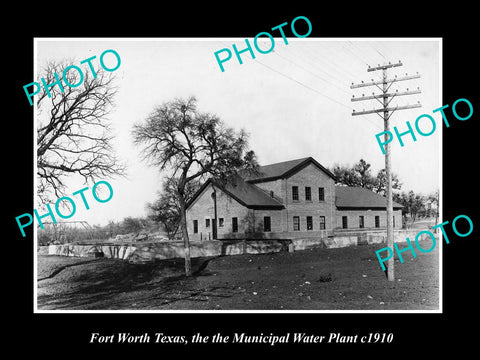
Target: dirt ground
x=317 y=279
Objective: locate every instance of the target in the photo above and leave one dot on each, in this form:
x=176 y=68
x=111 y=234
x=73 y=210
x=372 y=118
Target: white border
x=440 y=102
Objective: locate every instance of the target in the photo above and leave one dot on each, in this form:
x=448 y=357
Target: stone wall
x=143 y=252
x=149 y=251
x=354 y=238
x=115 y=251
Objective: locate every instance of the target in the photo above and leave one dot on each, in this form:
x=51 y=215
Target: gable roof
x=246 y=194
x=283 y=170
x=347 y=197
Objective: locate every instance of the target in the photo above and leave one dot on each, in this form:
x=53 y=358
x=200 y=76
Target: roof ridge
x=282 y=169
x=247 y=194
x=282 y=162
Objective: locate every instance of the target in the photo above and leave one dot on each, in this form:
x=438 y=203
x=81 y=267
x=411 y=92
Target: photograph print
x=212 y=175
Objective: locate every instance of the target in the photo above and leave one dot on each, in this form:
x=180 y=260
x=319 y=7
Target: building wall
x=249 y=220
x=369 y=218
x=279 y=194
x=200 y=210
x=277 y=186
x=314 y=178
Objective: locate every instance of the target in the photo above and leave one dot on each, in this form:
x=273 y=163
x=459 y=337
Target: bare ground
x=318 y=279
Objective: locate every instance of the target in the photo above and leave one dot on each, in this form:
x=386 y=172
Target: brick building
x=291 y=199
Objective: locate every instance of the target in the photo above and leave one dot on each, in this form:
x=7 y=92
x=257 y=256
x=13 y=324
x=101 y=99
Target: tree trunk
x=186 y=241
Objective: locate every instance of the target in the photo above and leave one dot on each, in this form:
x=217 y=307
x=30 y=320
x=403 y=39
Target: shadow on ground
x=110 y=283
x=317 y=279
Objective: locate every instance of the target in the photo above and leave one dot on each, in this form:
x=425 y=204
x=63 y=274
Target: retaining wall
x=115 y=251
x=144 y=251
x=149 y=251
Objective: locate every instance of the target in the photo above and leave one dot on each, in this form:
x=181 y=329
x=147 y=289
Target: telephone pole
x=385 y=98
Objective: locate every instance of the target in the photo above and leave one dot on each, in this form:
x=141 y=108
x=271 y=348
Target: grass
x=317 y=279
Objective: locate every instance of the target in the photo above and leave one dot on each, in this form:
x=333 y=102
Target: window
x=296 y=223
x=195 y=226
x=361 y=221
x=309 y=223
x=271 y=193
x=345 y=222
x=308 y=193
x=377 y=221
x=234 y=224
x=207 y=223
x=321 y=194
x=322 y=222
x=294 y=192
x=394 y=221
x=220 y=222
x=267 y=223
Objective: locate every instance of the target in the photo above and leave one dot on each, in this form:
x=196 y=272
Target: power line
x=367 y=53
x=358 y=57
x=362 y=51
x=325 y=59
x=311 y=62
x=304 y=85
x=377 y=51
x=299 y=82
x=310 y=88
x=385 y=51
x=300 y=66
x=335 y=53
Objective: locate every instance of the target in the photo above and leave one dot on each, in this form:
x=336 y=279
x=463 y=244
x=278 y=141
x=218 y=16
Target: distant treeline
x=416 y=205
x=81 y=231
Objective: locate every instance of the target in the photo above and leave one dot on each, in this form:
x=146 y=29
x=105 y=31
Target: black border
x=55 y=334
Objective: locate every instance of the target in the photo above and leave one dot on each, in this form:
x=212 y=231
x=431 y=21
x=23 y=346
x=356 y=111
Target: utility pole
x=385 y=98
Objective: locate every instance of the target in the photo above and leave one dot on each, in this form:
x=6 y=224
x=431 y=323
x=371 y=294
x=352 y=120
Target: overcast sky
x=294 y=102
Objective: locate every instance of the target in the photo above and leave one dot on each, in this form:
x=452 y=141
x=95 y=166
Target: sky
x=294 y=102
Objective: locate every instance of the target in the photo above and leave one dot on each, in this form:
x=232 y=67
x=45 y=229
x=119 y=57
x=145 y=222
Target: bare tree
x=73 y=134
x=166 y=209
x=177 y=137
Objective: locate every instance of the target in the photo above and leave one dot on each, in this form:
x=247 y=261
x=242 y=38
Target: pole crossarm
x=383 y=67
x=386 y=109
x=385 y=99
x=380 y=96
x=408 y=77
